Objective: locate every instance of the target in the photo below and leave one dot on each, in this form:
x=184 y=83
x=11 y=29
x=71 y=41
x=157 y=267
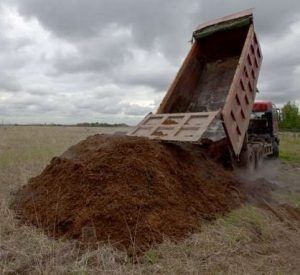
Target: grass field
x=290 y=147
x=249 y=240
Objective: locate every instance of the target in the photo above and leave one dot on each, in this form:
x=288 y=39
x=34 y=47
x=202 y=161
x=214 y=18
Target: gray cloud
x=148 y=20
x=9 y=83
x=271 y=17
x=113 y=60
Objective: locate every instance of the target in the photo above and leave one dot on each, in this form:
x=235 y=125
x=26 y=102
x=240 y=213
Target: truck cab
x=264 y=124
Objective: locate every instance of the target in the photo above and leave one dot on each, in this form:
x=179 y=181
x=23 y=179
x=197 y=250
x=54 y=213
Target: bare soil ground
x=254 y=239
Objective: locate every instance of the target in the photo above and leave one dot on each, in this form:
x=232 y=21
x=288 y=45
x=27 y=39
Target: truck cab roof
x=262 y=106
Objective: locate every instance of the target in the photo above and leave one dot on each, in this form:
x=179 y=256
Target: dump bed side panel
x=238 y=106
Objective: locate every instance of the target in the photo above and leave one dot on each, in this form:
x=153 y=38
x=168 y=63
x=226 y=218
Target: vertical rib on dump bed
x=219 y=75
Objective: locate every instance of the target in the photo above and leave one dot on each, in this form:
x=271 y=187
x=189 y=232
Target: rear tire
x=275 y=149
x=247 y=160
x=259 y=158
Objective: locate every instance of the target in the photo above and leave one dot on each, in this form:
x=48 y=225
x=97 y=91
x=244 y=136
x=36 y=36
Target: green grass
x=290 y=147
x=243 y=225
x=291 y=198
x=246 y=214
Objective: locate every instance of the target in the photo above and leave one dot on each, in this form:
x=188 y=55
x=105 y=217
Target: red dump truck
x=211 y=100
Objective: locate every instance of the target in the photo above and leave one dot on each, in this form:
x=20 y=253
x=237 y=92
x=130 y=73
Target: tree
x=290 y=116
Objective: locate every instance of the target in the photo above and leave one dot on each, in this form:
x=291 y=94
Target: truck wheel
x=247 y=160
x=251 y=161
x=259 y=158
x=275 y=149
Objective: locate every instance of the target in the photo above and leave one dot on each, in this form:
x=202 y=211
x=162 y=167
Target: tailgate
x=175 y=126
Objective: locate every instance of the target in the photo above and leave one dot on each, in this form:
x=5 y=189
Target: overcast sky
x=69 y=61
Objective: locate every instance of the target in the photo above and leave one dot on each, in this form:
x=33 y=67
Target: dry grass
x=247 y=241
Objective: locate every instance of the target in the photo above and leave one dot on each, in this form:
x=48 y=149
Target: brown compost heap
x=132 y=192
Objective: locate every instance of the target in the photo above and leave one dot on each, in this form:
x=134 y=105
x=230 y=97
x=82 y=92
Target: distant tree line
x=98 y=124
x=290 y=117
x=83 y=124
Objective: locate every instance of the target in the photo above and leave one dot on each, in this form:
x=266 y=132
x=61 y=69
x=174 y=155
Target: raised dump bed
x=217 y=82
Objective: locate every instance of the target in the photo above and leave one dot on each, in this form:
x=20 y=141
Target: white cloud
x=279 y=76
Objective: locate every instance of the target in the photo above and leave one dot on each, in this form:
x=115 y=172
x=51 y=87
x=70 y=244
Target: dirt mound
x=132 y=192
